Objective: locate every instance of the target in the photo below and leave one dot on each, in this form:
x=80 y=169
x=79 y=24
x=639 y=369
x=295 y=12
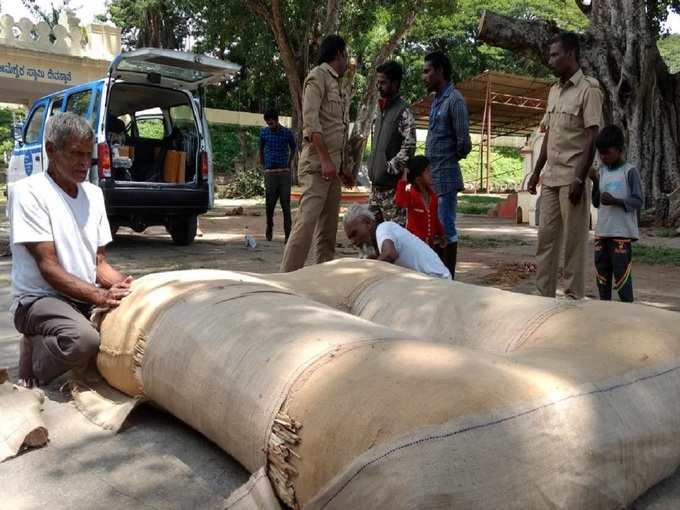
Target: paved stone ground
x=156 y=462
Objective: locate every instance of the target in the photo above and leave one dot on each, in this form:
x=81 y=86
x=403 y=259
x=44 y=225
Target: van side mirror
x=18 y=133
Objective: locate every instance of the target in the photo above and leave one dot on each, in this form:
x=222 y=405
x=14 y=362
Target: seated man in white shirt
x=392 y=242
x=58 y=230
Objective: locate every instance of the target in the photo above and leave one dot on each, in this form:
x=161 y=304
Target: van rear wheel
x=183 y=229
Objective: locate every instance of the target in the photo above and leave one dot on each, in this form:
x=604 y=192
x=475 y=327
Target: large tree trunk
x=366 y=113
x=640 y=95
x=295 y=74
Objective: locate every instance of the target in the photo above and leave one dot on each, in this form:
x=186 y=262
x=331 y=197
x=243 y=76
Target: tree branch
x=274 y=20
x=333 y=11
x=260 y=9
x=529 y=38
x=287 y=57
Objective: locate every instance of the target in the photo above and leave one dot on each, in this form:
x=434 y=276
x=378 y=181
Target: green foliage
x=666 y=232
x=453 y=31
x=231 y=143
x=669 y=47
x=248 y=183
x=155 y=23
x=49 y=15
x=151 y=128
x=656 y=255
x=6 y=136
x=506 y=167
x=228 y=30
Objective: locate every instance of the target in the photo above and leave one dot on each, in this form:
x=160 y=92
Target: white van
x=152 y=155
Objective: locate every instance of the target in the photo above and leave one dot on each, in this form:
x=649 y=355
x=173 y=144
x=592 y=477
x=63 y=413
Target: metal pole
x=481 y=140
x=481 y=149
x=488 y=153
x=486 y=132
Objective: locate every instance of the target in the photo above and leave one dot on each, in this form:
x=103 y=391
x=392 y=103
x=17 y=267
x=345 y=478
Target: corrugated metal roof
x=517 y=103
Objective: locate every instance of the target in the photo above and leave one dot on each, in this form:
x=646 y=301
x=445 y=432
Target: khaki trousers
x=562 y=224
x=317 y=219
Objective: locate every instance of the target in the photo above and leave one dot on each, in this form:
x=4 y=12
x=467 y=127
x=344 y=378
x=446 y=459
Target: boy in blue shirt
x=617 y=192
x=277 y=149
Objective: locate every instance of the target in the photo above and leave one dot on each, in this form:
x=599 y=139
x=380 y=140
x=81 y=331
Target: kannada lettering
x=20 y=71
x=14 y=69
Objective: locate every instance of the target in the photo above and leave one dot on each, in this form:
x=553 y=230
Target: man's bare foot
x=26 y=376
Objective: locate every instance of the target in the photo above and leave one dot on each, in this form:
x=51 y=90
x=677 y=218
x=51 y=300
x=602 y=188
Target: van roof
x=74 y=88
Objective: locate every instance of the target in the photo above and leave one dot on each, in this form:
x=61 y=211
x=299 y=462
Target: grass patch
x=477 y=204
x=491 y=242
x=482 y=210
x=656 y=255
x=481 y=199
x=665 y=232
x=473 y=209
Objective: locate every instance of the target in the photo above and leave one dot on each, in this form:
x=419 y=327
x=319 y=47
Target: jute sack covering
x=345 y=413
x=124 y=332
x=433 y=309
x=21 y=423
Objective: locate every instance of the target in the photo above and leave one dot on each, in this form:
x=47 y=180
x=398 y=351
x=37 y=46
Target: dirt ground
x=492 y=252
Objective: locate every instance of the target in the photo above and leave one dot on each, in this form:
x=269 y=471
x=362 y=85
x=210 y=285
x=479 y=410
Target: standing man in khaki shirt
x=324 y=129
x=571 y=124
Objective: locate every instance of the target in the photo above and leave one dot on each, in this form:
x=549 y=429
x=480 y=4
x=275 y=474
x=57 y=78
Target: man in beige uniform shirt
x=571 y=124
x=324 y=128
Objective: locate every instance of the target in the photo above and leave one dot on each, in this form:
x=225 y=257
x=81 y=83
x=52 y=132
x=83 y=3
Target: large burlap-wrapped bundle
x=563 y=406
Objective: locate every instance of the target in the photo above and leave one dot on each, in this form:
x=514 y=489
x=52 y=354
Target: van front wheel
x=183 y=229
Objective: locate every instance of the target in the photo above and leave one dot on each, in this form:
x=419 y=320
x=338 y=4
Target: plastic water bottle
x=250 y=240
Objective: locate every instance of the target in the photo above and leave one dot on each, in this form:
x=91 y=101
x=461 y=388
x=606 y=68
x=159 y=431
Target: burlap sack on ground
x=579 y=409
x=433 y=309
x=21 y=424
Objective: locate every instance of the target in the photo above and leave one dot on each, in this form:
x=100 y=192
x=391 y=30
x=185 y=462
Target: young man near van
x=58 y=230
x=277 y=149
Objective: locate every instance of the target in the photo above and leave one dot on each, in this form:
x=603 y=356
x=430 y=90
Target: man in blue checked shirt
x=277 y=148
x=448 y=141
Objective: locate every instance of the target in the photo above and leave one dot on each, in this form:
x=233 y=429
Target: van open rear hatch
x=169 y=68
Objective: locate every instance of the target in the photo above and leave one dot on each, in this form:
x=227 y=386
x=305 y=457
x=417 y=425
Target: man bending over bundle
x=392 y=242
